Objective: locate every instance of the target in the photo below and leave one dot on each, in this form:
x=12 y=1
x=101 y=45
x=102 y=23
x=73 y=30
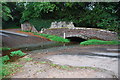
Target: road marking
x=3 y=34
x=9 y=32
x=107 y=54
x=113 y=49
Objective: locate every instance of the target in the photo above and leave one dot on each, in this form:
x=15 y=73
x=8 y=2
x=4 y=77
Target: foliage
x=26 y=59
x=99 y=42
x=6 y=12
x=9 y=68
x=34 y=10
x=107 y=18
x=14 y=10
x=5 y=58
x=39 y=23
x=43 y=62
x=17 y=53
x=4 y=48
x=10 y=25
x=53 y=65
x=26 y=31
x=53 y=37
x=14 y=53
x=105 y=15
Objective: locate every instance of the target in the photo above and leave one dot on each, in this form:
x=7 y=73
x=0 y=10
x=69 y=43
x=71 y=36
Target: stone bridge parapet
x=85 y=33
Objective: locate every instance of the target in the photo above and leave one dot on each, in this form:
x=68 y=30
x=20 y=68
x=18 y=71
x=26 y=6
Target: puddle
x=47 y=45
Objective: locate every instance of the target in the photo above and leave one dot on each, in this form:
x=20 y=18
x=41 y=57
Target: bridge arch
x=75 y=39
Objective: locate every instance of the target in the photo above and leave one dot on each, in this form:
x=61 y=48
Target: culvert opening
x=76 y=39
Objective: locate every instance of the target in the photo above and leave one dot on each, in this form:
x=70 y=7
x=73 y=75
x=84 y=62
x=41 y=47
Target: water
x=48 y=45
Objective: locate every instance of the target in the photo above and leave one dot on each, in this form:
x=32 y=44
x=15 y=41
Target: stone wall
x=86 y=33
x=28 y=27
x=62 y=24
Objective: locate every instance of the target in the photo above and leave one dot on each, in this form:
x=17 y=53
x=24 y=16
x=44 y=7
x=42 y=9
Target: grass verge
x=8 y=68
x=53 y=37
x=99 y=42
x=65 y=67
x=4 y=48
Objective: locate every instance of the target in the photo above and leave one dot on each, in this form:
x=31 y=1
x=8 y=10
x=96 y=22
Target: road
x=103 y=58
x=103 y=64
x=16 y=40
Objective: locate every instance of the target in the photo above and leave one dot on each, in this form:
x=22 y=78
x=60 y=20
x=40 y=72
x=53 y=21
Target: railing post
x=64 y=35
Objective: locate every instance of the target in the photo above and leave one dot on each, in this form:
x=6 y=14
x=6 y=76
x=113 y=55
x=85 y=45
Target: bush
x=14 y=53
x=17 y=53
x=99 y=42
x=53 y=37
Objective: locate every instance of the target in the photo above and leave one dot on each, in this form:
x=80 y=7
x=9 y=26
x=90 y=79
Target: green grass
x=26 y=31
x=4 y=48
x=26 y=59
x=85 y=67
x=5 y=58
x=9 y=68
x=17 y=53
x=99 y=42
x=53 y=37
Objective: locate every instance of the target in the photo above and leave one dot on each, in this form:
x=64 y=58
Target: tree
x=6 y=12
x=11 y=14
x=34 y=10
x=105 y=15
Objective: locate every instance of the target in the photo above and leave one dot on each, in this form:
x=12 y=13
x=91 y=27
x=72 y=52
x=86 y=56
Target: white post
x=41 y=30
x=64 y=35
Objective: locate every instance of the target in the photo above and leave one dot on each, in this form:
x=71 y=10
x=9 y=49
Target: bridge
x=83 y=33
x=69 y=30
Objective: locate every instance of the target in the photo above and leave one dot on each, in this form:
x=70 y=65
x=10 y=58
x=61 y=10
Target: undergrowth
x=8 y=68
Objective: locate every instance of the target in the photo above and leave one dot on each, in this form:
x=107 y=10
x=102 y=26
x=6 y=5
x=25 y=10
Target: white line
x=113 y=49
x=3 y=34
x=14 y=33
x=108 y=54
